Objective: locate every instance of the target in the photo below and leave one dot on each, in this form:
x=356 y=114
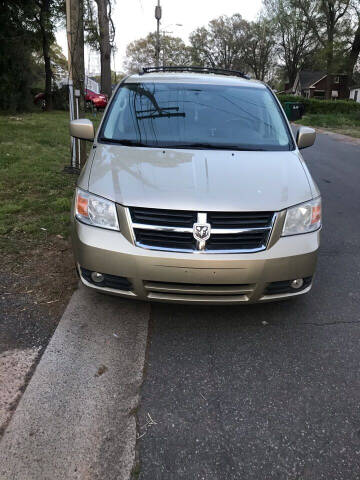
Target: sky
x=134 y=19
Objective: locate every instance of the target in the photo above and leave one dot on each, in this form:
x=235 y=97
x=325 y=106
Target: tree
x=354 y=50
x=16 y=60
x=141 y=53
x=325 y=18
x=46 y=29
x=100 y=33
x=40 y=19
x=233 y=43
x=294 y=37
x=27 y=26
x=220 y=44
x=259 y=48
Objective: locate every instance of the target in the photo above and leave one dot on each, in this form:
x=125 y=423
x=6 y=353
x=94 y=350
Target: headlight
x=303 y=218
x=95 y=210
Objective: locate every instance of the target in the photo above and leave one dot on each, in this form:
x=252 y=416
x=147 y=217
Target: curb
x=76 y=419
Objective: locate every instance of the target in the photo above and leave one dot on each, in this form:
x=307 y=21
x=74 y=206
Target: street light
x=172 y=25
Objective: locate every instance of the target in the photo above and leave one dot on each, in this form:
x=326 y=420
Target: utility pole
x=75 y=39
x=158 y=18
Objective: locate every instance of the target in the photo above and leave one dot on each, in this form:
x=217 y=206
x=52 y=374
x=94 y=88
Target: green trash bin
x=293 y=110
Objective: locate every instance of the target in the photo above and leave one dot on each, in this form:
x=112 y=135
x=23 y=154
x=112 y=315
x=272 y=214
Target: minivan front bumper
x=197 y=277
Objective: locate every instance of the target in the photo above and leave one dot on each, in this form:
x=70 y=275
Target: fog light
x=97 y=277
x=298 y=283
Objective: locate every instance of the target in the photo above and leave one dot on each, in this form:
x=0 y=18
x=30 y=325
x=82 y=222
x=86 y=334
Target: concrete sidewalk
x=76 y=419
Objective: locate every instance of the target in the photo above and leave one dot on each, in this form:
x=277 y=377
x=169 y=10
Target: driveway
x=266 y=391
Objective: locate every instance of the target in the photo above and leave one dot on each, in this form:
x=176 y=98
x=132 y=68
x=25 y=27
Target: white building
x=355 y=93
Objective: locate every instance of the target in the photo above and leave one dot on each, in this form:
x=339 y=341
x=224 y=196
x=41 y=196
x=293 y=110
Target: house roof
x=309 y=77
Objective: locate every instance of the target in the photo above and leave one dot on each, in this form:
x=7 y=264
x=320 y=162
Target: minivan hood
x=201 y=180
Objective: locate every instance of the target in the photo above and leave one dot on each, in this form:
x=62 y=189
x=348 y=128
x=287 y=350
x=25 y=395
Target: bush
x=313 y=105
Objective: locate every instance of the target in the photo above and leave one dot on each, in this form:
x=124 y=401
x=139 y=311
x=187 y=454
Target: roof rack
x=185 y=68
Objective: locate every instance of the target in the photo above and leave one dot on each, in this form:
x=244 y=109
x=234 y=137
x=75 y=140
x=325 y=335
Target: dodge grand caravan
x=195 y=191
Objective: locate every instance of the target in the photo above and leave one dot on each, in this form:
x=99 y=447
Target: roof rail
x=185 y=68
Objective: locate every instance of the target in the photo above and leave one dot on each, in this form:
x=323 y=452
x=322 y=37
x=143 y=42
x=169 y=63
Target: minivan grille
x=239 y=219
x=165 y=240
x=237 y=241
x=151 y=216
x=231 y=232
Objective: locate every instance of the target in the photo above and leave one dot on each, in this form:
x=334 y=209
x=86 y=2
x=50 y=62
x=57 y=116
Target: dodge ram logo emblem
x=201 y=231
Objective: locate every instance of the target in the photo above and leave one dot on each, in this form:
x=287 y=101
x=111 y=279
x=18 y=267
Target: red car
x=98 y=100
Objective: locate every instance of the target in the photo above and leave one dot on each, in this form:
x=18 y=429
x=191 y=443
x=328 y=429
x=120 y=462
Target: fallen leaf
x=101 y=370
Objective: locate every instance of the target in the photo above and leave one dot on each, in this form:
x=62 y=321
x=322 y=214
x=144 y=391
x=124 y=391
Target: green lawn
x=35 y=193
x=346 y=124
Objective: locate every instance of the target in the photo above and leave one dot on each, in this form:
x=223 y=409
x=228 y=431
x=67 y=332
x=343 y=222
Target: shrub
x=313 y=105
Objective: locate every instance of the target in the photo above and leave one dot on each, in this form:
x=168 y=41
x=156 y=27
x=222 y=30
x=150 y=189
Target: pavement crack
x=329 y=323
x=140 y=431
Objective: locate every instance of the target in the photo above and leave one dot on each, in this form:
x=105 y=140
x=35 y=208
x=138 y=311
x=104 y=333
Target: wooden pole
x=76 y=64
x=73 y=162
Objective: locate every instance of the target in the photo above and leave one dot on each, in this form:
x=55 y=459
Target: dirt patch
x=35 y=287
x=45 y=274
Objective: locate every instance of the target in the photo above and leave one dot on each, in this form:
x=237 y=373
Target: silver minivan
x=195 y=191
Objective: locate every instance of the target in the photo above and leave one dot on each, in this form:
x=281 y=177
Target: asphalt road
x=230 y=397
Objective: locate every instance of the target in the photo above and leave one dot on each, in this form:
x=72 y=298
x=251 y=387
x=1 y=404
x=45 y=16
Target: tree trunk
x=77 y=47
x=105 y=46
x=352 y=58
x=329 y=66
x=45 y=37
x=48 y=77
x=293 y=66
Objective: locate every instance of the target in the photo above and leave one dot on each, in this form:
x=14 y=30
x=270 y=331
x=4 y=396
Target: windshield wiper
x=161 y=115
x=213 y=146
x=195 y=145
x=124 y=141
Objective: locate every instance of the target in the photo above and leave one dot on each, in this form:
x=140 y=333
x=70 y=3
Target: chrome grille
x=172 y=230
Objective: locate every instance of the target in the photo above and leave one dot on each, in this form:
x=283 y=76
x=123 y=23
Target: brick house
x=312 y=84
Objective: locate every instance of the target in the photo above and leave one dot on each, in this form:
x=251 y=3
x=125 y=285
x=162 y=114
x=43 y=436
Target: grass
x=346 y=124
x=35 y=194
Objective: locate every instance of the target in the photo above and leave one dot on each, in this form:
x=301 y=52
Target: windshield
x=196 y=116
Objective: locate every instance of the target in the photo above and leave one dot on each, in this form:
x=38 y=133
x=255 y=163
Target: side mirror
x=305 y=137
x=83 y=129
